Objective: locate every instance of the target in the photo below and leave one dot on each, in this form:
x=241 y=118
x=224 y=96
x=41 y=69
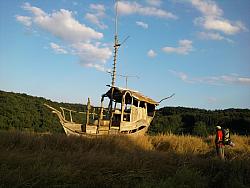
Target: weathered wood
x=88 y=111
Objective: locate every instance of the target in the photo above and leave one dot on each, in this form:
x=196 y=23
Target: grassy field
x=33 y=160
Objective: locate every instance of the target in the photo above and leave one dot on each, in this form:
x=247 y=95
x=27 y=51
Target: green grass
x=35 y=160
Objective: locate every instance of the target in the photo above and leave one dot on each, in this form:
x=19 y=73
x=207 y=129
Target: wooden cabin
x=130 y=112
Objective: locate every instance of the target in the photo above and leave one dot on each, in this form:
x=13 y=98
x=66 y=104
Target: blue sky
x=61 y=50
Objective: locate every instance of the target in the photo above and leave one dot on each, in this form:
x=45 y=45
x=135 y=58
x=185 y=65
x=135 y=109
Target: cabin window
x=105 y=102
x=127 y=107
x=135 y=102
x=118 y=107
x=127 y=111
x=150 y=109
x=142 y=104
x=116 y=120
x=116 y=115
x=128 y=98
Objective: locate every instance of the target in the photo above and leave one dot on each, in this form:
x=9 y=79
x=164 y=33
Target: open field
x=35 y=160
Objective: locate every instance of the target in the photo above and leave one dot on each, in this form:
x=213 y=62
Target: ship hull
x=74 y=129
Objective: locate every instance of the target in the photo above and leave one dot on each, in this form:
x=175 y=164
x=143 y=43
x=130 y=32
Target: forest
x=28 y=113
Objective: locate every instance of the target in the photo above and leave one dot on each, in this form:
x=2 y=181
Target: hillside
x=24 y=112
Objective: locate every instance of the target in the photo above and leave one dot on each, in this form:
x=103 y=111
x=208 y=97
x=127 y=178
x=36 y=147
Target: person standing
x=219 y=142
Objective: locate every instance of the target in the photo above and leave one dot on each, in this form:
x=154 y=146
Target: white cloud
x=25 y=20
x=99 y=8
x=185 y=46
x=222 y=25
x=97 y=67
x=235 y=79
x=142 y=24
x=128 y=8
x=62 y=24
x=207 y=7
x=183 y=76
x=91 y=53
x=151 y=53
x=93 y=18
x=232 y=79
x=212 y=18
x=156 y=3
x=80 y=39
x=35 y=10
x=213 y=36
x=58 y=49
x=98 y=12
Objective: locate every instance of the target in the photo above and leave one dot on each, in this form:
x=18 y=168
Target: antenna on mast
x=126 y=77
x=116 y=17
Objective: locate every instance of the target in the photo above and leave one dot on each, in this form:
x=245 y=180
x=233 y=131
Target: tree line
x=24 y=112
x=181 y=120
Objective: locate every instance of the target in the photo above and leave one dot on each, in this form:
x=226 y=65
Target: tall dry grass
x=32 y=160
x=180 y=144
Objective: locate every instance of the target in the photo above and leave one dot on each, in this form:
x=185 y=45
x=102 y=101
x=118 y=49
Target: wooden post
x=131 y=106
x=93 y=114
x=101 y=114
x=122 y=106
x=63 y=112
x=71 y=120
x=87 y=114
x=115 y=106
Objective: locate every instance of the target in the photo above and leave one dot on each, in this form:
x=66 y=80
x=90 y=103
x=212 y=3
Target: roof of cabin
x=119 y=92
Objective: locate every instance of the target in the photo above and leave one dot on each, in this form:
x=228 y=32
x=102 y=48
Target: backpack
x=226 y=136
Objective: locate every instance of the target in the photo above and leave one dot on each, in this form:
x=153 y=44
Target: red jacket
x=219 y=137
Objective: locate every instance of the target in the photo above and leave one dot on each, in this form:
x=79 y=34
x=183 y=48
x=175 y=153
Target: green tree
x=200 y=129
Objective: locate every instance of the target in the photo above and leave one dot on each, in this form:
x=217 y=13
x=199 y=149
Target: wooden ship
x=129 y=112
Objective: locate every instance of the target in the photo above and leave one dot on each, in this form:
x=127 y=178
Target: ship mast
x=116 y=46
